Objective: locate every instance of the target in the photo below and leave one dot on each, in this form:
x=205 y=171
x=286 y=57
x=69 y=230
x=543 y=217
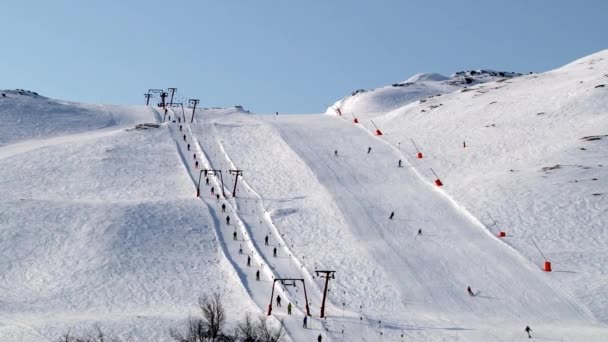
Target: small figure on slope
x=257 y=275
x=399 y=163
x=266 y=240
x=289 y=309
x=369 y=150
x=470 y=292
x=392 y=215
x=278 y=300
x=304 y=321
x=336 y=153
x=248 y=260
x=274 y=252
x=234 y=235
x=228 y=220
x=528 y=330
x=419 y=232
x=223 y=207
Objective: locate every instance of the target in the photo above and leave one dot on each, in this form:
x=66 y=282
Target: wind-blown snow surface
x=102 y=228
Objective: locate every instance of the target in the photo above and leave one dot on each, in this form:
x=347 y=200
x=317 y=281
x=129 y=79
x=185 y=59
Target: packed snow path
x=429 y=274
x=243 y=237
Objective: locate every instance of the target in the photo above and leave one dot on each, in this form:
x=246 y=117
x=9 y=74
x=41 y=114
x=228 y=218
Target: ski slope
x=100 y=222
x=102 y=228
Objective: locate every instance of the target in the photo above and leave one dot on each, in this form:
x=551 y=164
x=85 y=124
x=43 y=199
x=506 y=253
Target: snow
x=100 y=222
x=428 y=76
x=420 y=87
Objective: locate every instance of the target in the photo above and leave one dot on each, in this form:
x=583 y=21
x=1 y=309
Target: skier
x=274 y=252
x=470 y=291
x=194 y=156
x=180 y=128
x=419 y=231
x=234 y=235
x=196 y=164
x=266 y=240
x=392 y=215
x=289 y=309
x=319 y=338
x=336 y=153
x=240 y=249
x=528 y=331
x=228 y=220
x=184 y=137
x=278 y=300
x=223 y=207
x=217 y=197
x=212 y=190
x=304 y=325
x=257 y=275
x=399 y=163
x=207 y=181
x=188 y=147
x=369 y=149
x=248 y=260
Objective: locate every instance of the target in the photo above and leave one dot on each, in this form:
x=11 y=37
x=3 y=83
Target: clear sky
x=279 y=55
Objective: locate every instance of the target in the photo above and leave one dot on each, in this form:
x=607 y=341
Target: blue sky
x=279 y=55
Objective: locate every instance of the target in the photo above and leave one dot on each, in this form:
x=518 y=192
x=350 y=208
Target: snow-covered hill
x=370 y=103
x=105 y=226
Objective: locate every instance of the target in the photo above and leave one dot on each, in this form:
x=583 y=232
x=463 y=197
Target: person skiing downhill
x=369 y=149
x=336 y=153
x=240 y=249
x=212 y=190
x=257 y=275
x=528 y=330
x=207 y=181
x=228 y=220
x=248 y=260
x=304 y=321
x=289 y=309
x=319 y=338
x=419 y=231
x=234 y=235
x=223 y=207
x=399 y=163
x=392 y=215
x=470 y=291
x=266 y=240
x=278 y=300
x=274 y=252
x=188 y=147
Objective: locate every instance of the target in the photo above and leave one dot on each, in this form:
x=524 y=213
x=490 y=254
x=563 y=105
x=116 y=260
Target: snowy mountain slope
x=333 y=211
x=370 y=103
x=27 y=115
x=528 y=164
x=102 y=228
